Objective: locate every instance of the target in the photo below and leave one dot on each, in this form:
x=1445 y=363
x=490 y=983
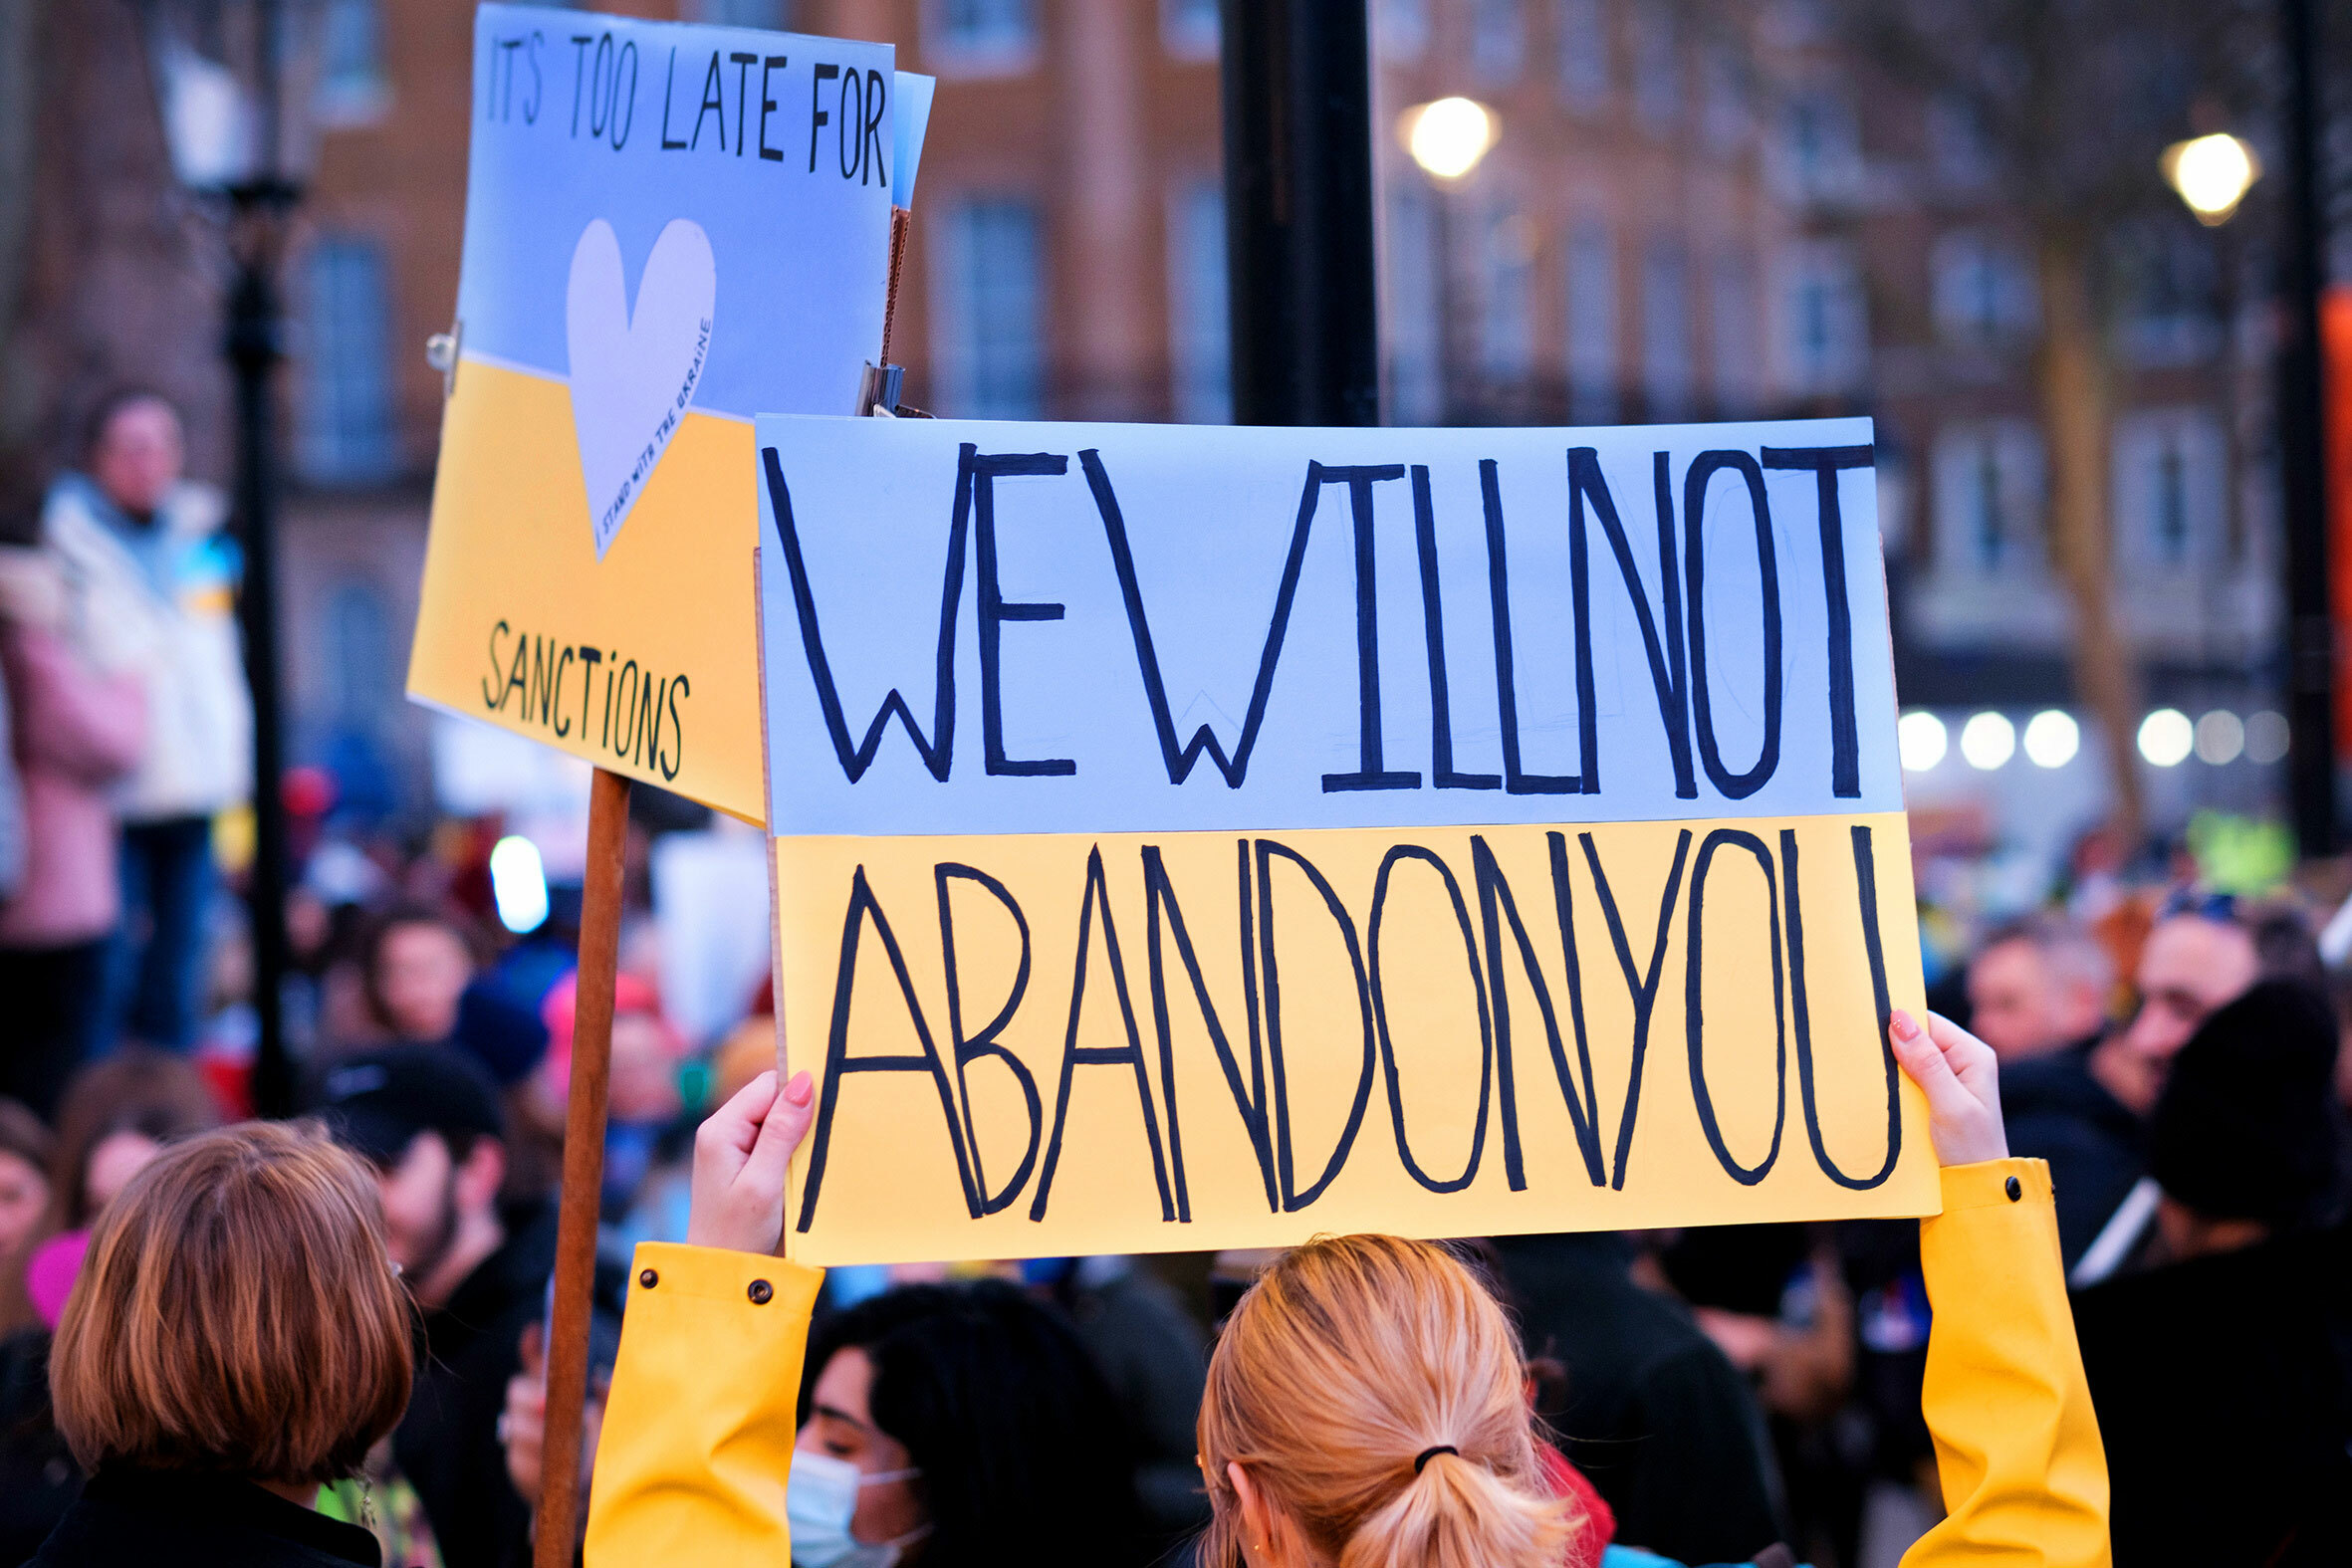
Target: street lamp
x=1447 y=137
x=2212 y=174
x=234 y=79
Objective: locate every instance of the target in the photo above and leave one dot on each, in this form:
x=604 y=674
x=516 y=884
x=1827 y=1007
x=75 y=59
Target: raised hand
x=741 y=1156
x=1961 y=1078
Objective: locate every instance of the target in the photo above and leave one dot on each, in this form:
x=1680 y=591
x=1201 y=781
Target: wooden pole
x=584 y=1172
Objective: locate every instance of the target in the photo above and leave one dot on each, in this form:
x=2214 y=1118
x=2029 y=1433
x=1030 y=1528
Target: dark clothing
x=1653 y=1414
x=167 y=886
x=1155 y=1359
x=447 y=1445
x=55 y=1000
x=2222 y=1403
x=130 y=1518
x=2055 y=1110
x=39 y=1480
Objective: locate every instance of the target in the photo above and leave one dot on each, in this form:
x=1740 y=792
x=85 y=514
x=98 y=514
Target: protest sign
x=667 y=228
x=1281 y=831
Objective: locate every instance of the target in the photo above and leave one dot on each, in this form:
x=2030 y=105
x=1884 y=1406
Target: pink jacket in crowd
x=76 y=732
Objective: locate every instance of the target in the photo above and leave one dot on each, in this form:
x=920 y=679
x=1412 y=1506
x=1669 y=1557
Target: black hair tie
x=1426 y=1455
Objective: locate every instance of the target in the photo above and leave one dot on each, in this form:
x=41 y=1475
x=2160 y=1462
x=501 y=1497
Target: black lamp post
x=233 y=80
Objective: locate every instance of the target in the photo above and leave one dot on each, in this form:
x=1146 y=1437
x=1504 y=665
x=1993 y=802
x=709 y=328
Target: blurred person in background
x=25 y=1149
x=2213 y=1349
x=116 y=1116
x=415 y=961
x=2038 y=986
x=76 y=726
x=145 y=546
x=643 y=1101
x=241 y=1340
x=2198 y=957
x=425 y=1119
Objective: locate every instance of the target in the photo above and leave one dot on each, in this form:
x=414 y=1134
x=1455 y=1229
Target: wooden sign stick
x=583 y=1173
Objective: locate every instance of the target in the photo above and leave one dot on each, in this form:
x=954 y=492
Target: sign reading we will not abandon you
x=1284 y=832
x=667 y=228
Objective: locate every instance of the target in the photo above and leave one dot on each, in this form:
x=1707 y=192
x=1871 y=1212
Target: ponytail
x=1456 y=1513
x=1375 y=1391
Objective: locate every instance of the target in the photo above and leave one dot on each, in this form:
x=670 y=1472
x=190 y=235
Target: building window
x=1583 y=41
x=1824 y=342
x=1411 y=329
x=1199 y=329
x=769 y=15
x=1820 y=147
x=1988 y=500
x=986 y=300
x=1507 y=320
x=344 y=421
x=2171 y=290
x=983 y=37
x=1189 y=29
x=2170 y=500
x=351 y=90
x=1732 y=324
x=1958 y=147
x=1657 y=66
x=1983 y=291
x=1497 y=40
x=1666 y=331
x=1726 y=115
x=1400 y=28
x=1592 y=323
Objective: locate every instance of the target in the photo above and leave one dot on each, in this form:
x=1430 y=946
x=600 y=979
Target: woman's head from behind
x=1372 y=1395
x=979 y=1424
x=237 y=1313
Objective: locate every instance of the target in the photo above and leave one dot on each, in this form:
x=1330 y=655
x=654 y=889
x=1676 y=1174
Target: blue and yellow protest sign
x=1194 y=838
x=668 y=228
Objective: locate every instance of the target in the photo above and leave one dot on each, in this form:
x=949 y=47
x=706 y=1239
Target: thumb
x=786 y=1123
x=533 y=1351
x=1920 y=1058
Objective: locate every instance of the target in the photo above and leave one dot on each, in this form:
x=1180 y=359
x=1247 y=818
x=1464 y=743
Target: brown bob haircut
x=237 y=1313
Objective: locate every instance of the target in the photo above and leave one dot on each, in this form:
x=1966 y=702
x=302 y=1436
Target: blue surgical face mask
x=819 y=1500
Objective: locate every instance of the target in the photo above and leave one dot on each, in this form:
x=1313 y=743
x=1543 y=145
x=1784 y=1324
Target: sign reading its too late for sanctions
x=668 y=228
x=1192 y=838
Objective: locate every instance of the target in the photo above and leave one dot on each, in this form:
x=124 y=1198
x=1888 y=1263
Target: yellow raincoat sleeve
x=698 y=1430
x=2016 y=1442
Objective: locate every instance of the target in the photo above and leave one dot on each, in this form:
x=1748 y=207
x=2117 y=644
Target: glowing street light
x=1449 y=136
x=1920 y=738
x=2166 y=737
x=2211 y=173
x=2053 y=737
x=1988 y=740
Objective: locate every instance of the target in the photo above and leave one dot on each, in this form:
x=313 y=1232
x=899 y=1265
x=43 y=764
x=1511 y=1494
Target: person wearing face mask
x=946 y=1420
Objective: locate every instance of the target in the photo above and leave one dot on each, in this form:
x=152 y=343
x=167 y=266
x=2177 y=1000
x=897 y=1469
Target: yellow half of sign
x=644 y=662
x=1063 y=1044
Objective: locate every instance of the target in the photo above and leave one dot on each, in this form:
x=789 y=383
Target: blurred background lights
x=1988 y=740
x=2166 y=737
x=1921 y=739
x=518 y=884
x=2265 y=738
x=2211 y=173
x=1447 y=137
x=2053 y=737
x=2221 y=735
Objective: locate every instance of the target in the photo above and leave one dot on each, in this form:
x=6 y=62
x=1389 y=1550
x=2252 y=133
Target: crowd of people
x=1711 y=1395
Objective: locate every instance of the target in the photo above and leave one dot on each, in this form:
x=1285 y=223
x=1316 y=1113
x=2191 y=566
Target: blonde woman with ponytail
x=1366 y=1408
x=1365 y=1404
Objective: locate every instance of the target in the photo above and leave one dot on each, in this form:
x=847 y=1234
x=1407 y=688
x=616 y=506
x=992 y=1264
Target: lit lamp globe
x=2212 y=174
x=1449 y=136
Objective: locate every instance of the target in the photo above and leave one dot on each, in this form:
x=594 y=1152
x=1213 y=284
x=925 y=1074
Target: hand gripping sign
x=1193 y=838
x=667 y=227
